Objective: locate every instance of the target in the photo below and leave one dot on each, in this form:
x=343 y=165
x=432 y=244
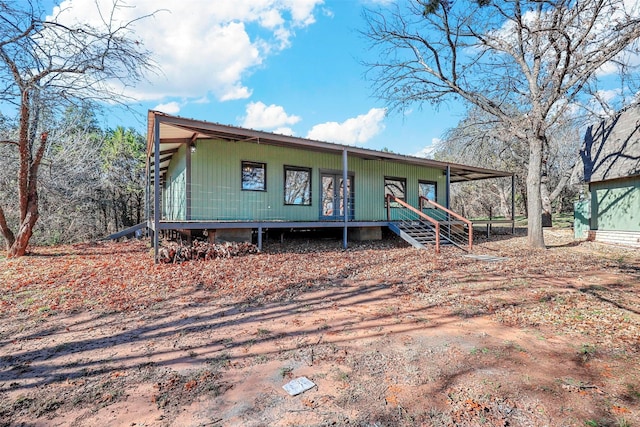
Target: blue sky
x=287 y=66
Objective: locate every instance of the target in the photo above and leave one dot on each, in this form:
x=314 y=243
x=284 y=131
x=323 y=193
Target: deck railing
x=455 y=228
x=408 y=213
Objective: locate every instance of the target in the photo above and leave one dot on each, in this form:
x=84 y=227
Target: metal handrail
x=469 y=224
x=436 y=224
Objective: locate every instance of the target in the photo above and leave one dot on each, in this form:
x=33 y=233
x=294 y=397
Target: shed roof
x=175 y=131
x=611 y=149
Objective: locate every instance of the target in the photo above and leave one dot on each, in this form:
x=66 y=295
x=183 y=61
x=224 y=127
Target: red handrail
x=420 y=214
x=453 y=214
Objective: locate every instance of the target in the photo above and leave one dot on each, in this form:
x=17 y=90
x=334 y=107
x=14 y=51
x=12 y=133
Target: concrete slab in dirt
x=487 y=258
x=298 y=385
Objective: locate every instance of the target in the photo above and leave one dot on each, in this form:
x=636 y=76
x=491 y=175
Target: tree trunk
x=505 y=207
x=9 y=238
x=546 y=200
x=535 y=237
x=19 y=247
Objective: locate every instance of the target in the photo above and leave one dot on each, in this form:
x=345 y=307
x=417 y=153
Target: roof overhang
x=175 y=131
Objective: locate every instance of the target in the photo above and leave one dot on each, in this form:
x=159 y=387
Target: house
x=234 y=184
x=610 y=160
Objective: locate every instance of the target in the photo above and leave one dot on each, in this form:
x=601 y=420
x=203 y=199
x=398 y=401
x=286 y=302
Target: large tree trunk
x=28 y=194
x=19 y=247
x=535 y=237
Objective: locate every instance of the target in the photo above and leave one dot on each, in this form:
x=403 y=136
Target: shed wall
x=615 y=205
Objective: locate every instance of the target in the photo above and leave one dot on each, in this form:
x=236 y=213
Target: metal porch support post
x=147 y=195
x=345 y=197
x=156 y=187
x=260 y=238
x=187 y=184
x=513 y=204
x=448 y=185
x=448 y=200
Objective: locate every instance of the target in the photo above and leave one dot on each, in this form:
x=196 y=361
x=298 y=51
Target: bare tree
x=46 y=65
x=523 y=62
x=480 y=136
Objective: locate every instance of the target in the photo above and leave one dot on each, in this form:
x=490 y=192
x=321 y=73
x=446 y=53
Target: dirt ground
x=96 y=334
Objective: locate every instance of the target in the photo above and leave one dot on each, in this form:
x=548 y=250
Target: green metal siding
x=615 y=205
x=216 y=182
x=174 y=194
x=369 y=185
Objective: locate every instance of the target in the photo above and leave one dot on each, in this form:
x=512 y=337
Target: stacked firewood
x=181 y=252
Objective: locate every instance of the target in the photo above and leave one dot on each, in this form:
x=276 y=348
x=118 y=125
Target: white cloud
x=261 y=116
x=169 y=107
x=357 y=130
x=284 y=131
x=427 y=151
x=203 y=48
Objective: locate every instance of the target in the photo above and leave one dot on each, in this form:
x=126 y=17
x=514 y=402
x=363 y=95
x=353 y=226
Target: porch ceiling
x=175 y=131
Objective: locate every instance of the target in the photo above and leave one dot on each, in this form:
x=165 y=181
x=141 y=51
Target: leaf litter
x=391 y=335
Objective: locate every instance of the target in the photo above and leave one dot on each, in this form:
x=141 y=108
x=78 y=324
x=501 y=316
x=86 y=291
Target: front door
x=332 y=205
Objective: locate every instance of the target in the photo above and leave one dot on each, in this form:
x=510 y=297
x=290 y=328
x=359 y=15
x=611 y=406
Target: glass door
x=332 y=199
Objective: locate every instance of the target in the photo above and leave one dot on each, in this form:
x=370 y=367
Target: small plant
x=285 y=372
x=587 y=351
x=341 y=376
x=633 y=392
x=483 y=350
x=515 y=346
x=622 y=422
x=263 y=332
x=220 y=361
x=261 y=359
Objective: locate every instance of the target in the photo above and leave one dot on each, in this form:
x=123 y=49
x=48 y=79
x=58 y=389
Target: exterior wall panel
x=615 y=205
x=174 y=194
x=217 y=180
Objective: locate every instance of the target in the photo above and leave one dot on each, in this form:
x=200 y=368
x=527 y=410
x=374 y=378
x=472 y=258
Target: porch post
x=448 y=201
x=147 y=196
x=187 y=183
x=513 y=204
x=448 y=185
x=156 y=187
x=345 y=197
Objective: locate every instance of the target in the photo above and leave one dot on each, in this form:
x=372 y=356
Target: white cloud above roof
x=261 y=116
x=169 y=108
x=204 y=47
x=353 y=131
x=427 y=151
x=284 y=131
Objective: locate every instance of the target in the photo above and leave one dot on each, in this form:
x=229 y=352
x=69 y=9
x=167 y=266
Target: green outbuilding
x=610 y=159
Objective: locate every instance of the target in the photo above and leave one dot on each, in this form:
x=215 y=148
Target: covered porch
x=181 y=195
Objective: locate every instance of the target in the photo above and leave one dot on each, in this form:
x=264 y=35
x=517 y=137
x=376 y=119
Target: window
x=396 y=187
x=428 y=189
x=297 y=186
x=254 y=176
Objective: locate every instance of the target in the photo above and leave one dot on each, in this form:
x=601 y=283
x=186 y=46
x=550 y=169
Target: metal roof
x=611 y=149
x=175 y=131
